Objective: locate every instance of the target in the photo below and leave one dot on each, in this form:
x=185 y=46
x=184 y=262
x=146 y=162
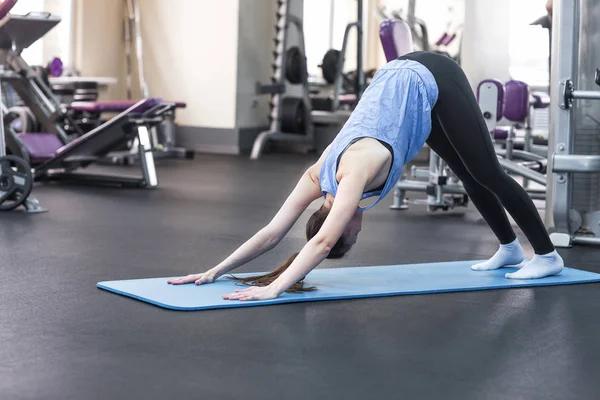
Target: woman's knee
x=492 y=177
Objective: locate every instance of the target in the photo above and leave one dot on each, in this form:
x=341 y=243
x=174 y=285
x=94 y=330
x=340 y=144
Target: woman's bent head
x=313 y=226
x=348 y=238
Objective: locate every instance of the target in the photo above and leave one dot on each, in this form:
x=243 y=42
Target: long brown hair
x=312 y=228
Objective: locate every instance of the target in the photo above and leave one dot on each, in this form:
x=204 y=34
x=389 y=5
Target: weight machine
x=512 y=100
x=293 y=119
x=289 y=117
x=419 y=32
x=332 y=68
x=53 y=155
x=573 y=205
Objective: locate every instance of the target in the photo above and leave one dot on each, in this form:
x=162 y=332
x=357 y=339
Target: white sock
x=539 y=267
x=508 y=254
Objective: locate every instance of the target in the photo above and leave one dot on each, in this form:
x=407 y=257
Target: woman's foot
x=507 y=255
x=539 y=267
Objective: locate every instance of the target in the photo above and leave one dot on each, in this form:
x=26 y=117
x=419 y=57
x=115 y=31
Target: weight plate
x=329 y=65
x=292 y=115
x=294 y=65
x=16 y=182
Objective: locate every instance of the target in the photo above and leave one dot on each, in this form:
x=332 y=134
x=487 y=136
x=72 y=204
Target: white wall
x=98 y=43
x=58 y=43
x=486 y=40
x=190 y=54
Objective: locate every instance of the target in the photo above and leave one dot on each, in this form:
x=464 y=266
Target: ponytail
x=312 y=228
x=267 y=279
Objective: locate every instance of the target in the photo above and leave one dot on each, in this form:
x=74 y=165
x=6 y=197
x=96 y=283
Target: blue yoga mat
x=342 y=283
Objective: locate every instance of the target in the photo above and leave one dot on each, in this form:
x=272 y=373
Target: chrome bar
x=147 y=157
x=585 y=240
x=521 y=155
x=418 y=186
x=523 y=171
x=586 y=94
x=537 y=196
x=575 y=163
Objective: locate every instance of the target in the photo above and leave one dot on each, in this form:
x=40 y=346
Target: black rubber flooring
x=62 y=338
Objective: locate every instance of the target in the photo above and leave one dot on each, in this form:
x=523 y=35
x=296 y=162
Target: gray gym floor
x=62 y=338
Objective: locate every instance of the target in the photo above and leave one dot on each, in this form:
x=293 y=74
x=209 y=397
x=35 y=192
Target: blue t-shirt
x=394 y=109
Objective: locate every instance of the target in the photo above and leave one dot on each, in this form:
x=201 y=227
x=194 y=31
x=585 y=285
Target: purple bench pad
x=41 y=146
x=516 y=101
x=396 y=38
x=118 y=105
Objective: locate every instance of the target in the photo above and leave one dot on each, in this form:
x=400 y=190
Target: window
x=317 y=32
x=441 y=18
x=324 y=26
x=529 y=44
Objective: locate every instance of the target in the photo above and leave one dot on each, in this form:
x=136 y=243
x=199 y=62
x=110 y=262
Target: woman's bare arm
x=316 y=250
x=306 y=191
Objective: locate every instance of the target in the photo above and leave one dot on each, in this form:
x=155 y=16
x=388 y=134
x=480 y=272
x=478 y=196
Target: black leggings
x=460 y=137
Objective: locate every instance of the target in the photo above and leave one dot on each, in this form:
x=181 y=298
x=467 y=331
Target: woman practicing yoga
x=420 y=97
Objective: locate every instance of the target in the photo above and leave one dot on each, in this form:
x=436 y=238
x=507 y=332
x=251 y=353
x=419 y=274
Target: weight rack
x=277 y=88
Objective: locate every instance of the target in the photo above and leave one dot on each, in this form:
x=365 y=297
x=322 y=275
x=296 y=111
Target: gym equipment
x=419 y=34
x=72 y=121
x=333 y=72
x=294 y=119
x=516 y=103
x=293 y=115
x=23 y=119
x=518 y=109
x=287 y=116
x=342 y=283
x=72 y=89
x=294 y=65
x=443 y=188
x=573 y=206
x=396 y=38
x=16 y=179
x=59 y=163
x=51 y=154
x=16 y=182
x=417 y=27
x=162 y=135
x=329 y=65
x=18 y=32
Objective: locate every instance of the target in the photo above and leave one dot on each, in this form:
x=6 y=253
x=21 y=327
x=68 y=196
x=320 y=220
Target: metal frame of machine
x=280 y=114
x=570 y=72
x=277 y=88
x=62 y=156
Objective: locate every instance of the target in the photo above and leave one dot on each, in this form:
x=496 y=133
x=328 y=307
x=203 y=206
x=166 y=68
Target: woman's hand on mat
x=206 y=277
x=253 y=293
